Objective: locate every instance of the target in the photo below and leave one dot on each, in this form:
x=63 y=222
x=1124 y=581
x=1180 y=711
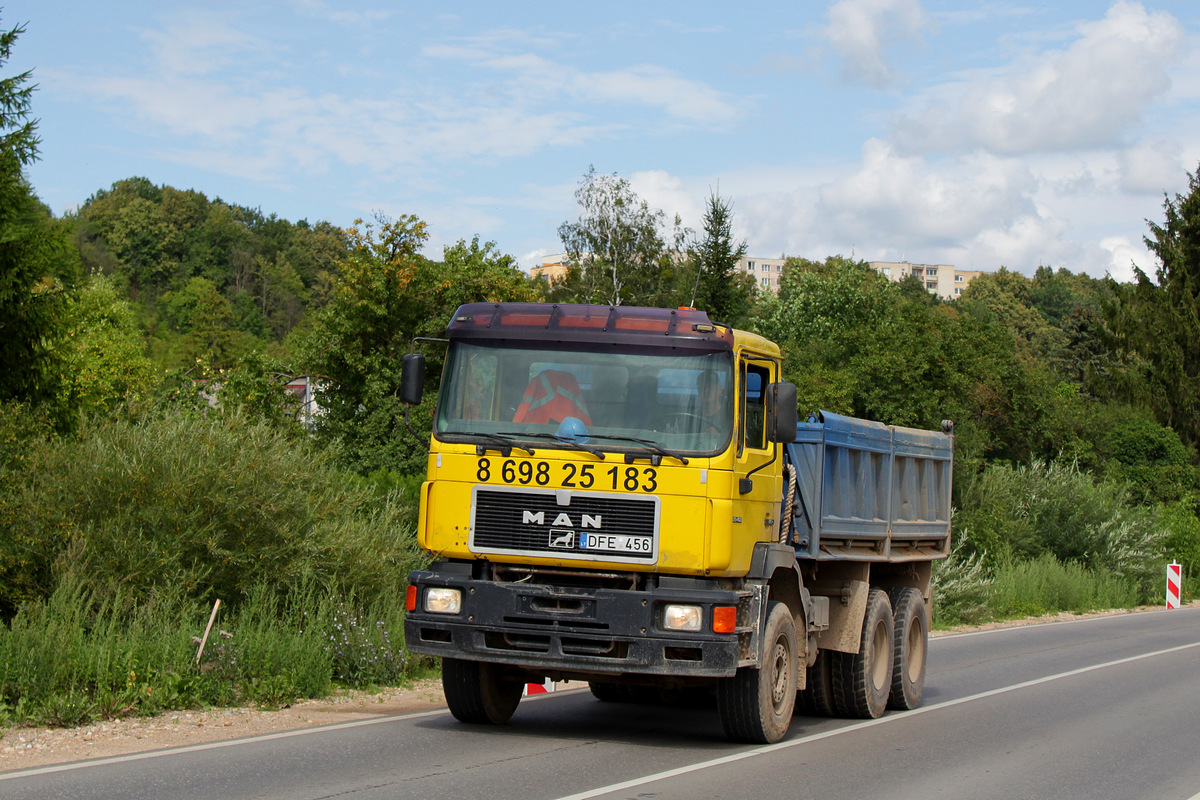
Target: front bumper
x=574 y=631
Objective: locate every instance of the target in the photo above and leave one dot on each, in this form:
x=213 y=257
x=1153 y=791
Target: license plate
x=618 y=544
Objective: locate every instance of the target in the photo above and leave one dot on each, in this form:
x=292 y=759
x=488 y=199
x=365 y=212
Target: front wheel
x=476 y=692
x=756 y=704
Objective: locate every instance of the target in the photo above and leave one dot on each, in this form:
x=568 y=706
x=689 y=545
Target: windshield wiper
x=560 y=439
x=649 y=443
x=504 y=444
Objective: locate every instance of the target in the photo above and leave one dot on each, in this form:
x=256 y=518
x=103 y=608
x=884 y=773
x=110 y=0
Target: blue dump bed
x=866 y=491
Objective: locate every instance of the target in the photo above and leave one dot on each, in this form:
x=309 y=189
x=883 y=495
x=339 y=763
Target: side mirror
x=783 y=419
x=412 y=378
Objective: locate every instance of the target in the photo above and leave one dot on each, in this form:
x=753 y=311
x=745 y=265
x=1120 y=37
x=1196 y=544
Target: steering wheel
x=682 y=421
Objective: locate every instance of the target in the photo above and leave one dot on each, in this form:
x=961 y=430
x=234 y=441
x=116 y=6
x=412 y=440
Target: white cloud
x=658 y=87
x=1089 y=94
x=1122 y=257
x=861 y=31
x=911 y=199
x=200 y=44
x=215 y=88
x=664 y=191
x=539 y=80
x=1151 y=167
x=979 y=211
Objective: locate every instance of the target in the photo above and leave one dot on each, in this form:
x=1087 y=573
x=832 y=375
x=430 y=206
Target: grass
x=967 y=592
x=1046 y=585
x=76 y=658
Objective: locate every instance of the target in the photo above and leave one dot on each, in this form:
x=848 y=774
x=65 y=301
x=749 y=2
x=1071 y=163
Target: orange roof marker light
x=683 y=327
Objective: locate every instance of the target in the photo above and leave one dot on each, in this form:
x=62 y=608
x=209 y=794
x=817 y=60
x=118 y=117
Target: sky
x=977 y=134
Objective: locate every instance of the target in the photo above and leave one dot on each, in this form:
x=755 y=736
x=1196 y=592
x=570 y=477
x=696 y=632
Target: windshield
x=608 y=400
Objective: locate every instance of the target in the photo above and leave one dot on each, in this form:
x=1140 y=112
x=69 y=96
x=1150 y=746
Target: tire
x=756 y=704
x=625 y=693
x=910 y=647
x=476 y=693
x=816 y=698
x=610 y=692
x=862 y=681
x=645 y=695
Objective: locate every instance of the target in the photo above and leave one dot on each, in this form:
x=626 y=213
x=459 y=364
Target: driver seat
x=552 y=396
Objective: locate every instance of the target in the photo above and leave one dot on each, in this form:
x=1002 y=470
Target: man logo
x=539 y=518
x=562 y=540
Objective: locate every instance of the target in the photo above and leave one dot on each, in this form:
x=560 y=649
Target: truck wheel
x=613 y=692
x=816 y=698
x=911 y=644
x=608 y=692
x=756 y=704
x=476 y=693
x=862 y=681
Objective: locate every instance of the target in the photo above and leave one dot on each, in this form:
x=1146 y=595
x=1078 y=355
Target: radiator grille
x=553 y=523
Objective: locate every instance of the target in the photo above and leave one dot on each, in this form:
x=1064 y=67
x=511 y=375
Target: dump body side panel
x=870 y=492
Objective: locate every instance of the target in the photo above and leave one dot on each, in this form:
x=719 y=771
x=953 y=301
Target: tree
x=720 y=288
x=478 y=273
x=386 y=293
x=1159 y=321
x=204 y=318
x=618 y=256
x=106 y=360
x=1007 y=297
x=856 y=343
x=38 y=266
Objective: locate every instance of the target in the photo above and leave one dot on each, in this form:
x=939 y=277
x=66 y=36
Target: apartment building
x=765 y=271
x=944 y=280
x=553 y=267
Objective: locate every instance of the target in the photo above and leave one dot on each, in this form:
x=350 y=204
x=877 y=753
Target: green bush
x=1182 y=522
x=961 y=588
x=1011 y=514
x=1151 y=458
x=208 y=507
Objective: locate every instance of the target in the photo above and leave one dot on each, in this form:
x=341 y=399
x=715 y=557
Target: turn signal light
x=724 y=619
x=410 y=599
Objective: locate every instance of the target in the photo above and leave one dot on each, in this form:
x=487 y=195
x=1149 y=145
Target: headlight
x=441 y=600
x=682 y=618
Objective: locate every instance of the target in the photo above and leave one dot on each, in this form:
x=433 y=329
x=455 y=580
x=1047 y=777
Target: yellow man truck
x=626 y=496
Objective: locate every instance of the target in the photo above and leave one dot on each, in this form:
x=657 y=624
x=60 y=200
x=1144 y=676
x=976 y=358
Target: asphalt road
x=1107 y=707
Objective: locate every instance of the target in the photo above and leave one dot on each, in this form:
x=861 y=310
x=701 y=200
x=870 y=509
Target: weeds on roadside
x=75 y=657
x=362 y=650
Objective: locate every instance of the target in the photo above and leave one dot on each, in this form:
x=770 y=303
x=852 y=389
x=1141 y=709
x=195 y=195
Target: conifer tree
x=720 y=289
x=38 y=266
x=1158 y=322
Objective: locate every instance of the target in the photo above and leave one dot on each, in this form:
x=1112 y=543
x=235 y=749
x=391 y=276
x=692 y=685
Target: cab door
x=757 y=471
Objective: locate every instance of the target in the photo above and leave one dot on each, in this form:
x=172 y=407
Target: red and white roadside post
x=538 y=688
x=1174 y=585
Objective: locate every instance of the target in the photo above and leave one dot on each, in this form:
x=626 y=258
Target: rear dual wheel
x=862 y=681
x=816 y=698
x=910 y=647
